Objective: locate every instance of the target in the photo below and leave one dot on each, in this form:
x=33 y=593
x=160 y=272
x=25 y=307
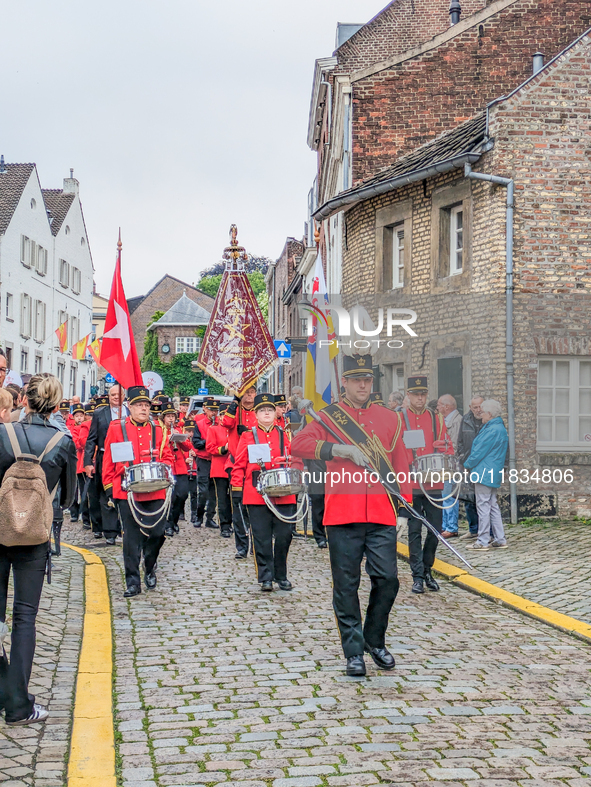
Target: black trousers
x=179 y=497
x=318 y=529
x=271 y=539
x=422 y=557
x=224 y=505
x=94 y=504
x=206 y=503
x=193 y=496
x=348 y=544
x=79 y=508
x=241 y=524
x=135 y=542
x=75 y=507
x=28 y=570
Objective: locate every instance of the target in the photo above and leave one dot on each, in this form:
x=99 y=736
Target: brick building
x=418 y=232
x=176 y=329
x=164 y=294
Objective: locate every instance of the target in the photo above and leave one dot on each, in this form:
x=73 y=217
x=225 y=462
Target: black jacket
x=33 y=434
x=469 y=428
x=96 y=437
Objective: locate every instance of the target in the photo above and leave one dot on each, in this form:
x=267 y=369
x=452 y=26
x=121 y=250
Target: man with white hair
x=486 y=461
x=448 y=408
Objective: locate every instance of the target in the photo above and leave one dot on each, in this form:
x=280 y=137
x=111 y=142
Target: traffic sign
x=203 y=391
x=109 y=379
x=282 y=348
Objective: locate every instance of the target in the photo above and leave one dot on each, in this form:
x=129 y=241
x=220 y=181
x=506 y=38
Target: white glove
x=302 y=406
x=350 y=452
x=402 y=520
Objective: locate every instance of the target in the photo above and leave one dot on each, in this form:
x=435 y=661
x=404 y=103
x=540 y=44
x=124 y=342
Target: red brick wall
x=286 y=315
x=404 y=106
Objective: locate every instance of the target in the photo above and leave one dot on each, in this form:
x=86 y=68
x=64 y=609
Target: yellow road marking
x=462 y=578
x=92 y=750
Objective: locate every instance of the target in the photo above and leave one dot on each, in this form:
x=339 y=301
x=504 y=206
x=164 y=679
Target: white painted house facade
x=46 y=276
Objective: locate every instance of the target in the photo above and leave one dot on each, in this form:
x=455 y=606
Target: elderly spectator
x=447 y=407
x=395 y=400
x=469 y=428
x=487 y=459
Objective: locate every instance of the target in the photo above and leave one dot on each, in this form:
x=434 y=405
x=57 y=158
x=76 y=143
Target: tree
x=255 y=267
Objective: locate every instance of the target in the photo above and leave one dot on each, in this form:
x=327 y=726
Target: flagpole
x=119 y=247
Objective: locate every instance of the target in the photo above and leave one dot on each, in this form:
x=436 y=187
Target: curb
x=469 y=582
x=92 y=746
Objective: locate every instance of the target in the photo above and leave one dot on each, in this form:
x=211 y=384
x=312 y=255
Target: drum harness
x=136 y=511
x=454 y=494
x=304 y=503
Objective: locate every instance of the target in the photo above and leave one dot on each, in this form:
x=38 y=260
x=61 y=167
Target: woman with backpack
x=34 y=458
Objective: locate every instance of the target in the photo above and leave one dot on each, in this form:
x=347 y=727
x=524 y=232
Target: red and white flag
x=118 y=351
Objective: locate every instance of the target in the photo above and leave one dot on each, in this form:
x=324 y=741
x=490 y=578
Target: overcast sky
x=178 y=117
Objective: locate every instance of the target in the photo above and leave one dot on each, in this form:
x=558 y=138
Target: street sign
x=109 y=379
x=282 y=348
x=203 y=391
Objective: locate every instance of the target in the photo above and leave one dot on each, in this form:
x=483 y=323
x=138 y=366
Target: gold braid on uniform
x=396 y=434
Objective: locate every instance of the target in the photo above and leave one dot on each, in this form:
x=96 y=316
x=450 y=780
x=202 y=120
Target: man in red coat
x=360 y=516
x=206 y=499
x=271 y=535
x=180 y=450
x=143 y=441
x=280 y=410
x=216 y=444
x=432 y=434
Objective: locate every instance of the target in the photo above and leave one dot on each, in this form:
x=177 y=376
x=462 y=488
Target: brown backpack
x=26 y=510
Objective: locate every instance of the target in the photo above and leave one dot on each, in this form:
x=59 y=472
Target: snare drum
x=280 y=482
x=147 y=477
x=435 y=463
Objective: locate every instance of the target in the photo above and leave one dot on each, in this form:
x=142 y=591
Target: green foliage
x=257 y=282
x=263 y=301
x=210 y=284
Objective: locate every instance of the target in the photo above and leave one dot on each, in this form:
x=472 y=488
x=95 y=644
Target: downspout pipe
x=509 y=184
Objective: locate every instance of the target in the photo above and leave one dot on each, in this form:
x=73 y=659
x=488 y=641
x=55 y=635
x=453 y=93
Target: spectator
x=3 y=368
x=395 y=400
x=447 y=407
x=6 y=401
x=487 y=459
x=469 y=428
x=29 y=562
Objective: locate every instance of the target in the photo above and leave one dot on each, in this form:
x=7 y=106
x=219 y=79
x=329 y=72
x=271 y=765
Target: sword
x=305 y=407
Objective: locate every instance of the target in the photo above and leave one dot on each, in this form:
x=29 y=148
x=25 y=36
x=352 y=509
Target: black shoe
x=355 y=666
x=382 y=657
x=240 y=555
x=295 y=534
x=181 y=517
x=226 y=534
x=196 y=524
x=150 y=580
x=267 y=586
x=73 y=521
x=430 y=581
x=322 y=544
x=176 y=528
x=86 y=526
x=285 y=584
x=111 y=541
x=169 y=532
x=97 y=535
x=417 y=586
x=134 y=590
x=212 y=525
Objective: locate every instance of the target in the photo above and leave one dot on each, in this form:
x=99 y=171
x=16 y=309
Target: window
x=9 y=307
x=25 y=316
x=67 y=230
x=38 y=363
x=24 y=360
x=76 y=280
x=61 y=367
x=33 y=204
x=64 y=273
x=188 y=344
x=564 y=404
x=41 y=266
x=74 y=328
x=398 y=256
x=73 y=372
x=40 y=310
x=25 y=251
x=8 y=353
x=456 y=239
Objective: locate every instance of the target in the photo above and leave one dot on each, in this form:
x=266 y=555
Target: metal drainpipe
x=509 y=184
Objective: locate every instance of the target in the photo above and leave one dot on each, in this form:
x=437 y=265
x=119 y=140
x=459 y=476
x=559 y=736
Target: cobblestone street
x=219 y=684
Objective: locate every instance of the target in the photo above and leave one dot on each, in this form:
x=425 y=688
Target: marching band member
x=189 y=429
x=216 y=444
x=146 y=441
x=180 y=450
x=280 y=410
x=79 y=431
x=360 y=516
x=271 y=558
x=432 y=425
x=206 y=497
x=183 y=410
x=239 y=417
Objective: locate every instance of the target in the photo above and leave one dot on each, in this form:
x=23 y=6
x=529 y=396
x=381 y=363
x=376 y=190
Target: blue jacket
x=489 y=449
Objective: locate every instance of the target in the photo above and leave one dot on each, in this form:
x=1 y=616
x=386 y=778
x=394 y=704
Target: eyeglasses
x=4 y=369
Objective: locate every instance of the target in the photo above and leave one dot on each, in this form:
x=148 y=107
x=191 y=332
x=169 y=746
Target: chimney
x=71 y=185
x=3 y=169
x=454 y=12
x=538 y=62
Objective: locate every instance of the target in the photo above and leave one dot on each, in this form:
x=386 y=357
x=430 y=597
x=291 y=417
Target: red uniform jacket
x=141 y=438
x=242 y=417
x=281 y=422
x=353 y=494
x=425 y=422
x=80 y=436
x=217 y=440
x=179 y=451
x=242 y=469
x=202 y=426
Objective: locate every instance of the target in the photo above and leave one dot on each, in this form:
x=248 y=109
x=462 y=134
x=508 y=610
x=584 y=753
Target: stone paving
x=37 y=755
x=217 y=683
x=546 y=562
